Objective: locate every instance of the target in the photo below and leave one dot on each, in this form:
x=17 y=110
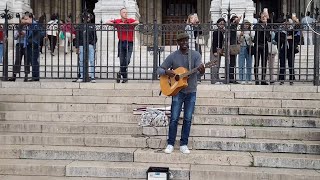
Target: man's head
x=27 y=18
x=124 y=13
x=183 y=41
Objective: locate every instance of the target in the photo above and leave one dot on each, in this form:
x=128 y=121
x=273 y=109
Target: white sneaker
x=93 y=81
x=169 y=149
x=218 y=83
x=79 y=80
x=184 y=149
x=243 y=82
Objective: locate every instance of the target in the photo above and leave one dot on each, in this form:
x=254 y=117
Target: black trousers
x=21 y=53
x=53 y=42
x=262 y=55
x=289 y=55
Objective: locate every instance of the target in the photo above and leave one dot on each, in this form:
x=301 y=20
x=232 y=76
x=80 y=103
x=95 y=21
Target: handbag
x=234 y=49
x=250 y=48
x=272 y=48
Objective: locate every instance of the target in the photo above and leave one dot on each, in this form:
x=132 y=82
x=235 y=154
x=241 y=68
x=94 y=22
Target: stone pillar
x=106 y=10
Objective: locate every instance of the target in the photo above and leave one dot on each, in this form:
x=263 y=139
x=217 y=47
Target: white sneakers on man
x=169 y=149
x=184 y=149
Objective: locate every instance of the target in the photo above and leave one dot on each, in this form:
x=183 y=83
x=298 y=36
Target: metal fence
x=154 y=42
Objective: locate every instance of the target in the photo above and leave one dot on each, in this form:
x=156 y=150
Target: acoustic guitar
x=170 y=86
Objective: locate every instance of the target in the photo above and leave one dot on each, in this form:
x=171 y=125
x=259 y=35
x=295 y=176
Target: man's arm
x=163 y=69
x=110 y=22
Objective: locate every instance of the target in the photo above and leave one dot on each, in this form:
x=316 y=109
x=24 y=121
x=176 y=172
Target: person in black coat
x=287 y=39
x=261 y=39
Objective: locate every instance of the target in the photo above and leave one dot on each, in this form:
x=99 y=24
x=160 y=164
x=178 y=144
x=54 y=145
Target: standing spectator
x=245 y=57
x=288 y=40
x=86 y=38
x=261 y=38
x=193 y=30
x=1 y=43
x=217 y=48
x=307 y=33
x=125 y=27
x=20 y=36
x=42 y=24
x=234 y=22
x=69 y=34
x=272 y=52
x=32 y=43
x=52 y=32
x=187 y=96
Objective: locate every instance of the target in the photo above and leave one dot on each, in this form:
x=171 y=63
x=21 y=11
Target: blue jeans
x=91 y=61
x=125 y=49
x=245 y=64
x=189 y=101
x=1 y=53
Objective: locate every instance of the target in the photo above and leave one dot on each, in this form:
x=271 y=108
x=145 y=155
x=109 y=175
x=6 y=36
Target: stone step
x=122 y=169
x=311 y=134
x=70 y=117
x=257 y=121
x=9 y=177
x=295 y=112
x=67 y=153
x=277 y=95
x=157 y=101
x=283 y=160
x=209 y=172
x=256 y=145
x=229 y=158
x=70 y=128
x=119 y=141
x=199 y=143
x=33 y=167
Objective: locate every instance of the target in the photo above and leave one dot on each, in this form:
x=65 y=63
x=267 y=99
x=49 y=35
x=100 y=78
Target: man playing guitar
x=189 y=59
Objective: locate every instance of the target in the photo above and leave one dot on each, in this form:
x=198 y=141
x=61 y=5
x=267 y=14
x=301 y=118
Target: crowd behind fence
x=283 y=55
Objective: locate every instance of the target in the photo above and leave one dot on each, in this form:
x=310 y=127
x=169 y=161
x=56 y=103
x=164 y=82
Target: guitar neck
x=194 y=70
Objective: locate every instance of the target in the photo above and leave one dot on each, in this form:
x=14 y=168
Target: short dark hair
x=220 y=20
x=122 y=8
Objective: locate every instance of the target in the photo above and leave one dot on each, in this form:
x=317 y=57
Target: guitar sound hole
x=177 y=78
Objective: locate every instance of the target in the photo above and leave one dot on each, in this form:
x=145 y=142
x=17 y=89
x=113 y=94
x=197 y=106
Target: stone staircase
x=82 y=131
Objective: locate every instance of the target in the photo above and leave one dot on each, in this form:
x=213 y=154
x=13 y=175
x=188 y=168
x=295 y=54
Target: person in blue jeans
x=189 y=59
x=86 y=38
x=1 y=44
x=245 y=57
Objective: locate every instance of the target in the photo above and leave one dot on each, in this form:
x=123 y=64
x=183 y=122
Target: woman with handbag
x=245 y=56
x=234 y=22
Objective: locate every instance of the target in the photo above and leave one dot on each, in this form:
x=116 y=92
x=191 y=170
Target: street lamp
x=6 y=16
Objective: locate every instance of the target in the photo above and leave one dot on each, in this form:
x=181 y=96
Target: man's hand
x=170 y=73
x=201 y=69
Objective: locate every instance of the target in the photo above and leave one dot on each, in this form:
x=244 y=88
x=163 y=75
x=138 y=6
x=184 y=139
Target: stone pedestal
x=106 y=10
x=219 y=7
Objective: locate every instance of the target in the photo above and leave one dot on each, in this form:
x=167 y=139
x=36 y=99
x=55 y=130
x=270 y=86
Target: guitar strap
x=189 y=59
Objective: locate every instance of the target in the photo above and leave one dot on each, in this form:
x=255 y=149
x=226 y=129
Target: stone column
x=108 y=39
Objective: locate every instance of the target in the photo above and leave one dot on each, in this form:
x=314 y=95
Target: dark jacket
x=290 y=44
x=262 y=34
x=217 y=40
x=81 y=33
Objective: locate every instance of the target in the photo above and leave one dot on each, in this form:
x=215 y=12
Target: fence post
x=316 y=57
x=6 y=15
x=155 y=49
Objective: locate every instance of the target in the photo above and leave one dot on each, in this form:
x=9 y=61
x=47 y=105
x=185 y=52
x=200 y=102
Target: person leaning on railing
x=1 y=44
x=217 y=48
x=125 y=27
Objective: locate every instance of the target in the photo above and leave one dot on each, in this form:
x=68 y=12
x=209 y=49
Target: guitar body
x=171 y=86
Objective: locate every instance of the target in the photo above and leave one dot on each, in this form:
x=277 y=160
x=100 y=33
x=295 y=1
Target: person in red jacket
x=125 y=27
